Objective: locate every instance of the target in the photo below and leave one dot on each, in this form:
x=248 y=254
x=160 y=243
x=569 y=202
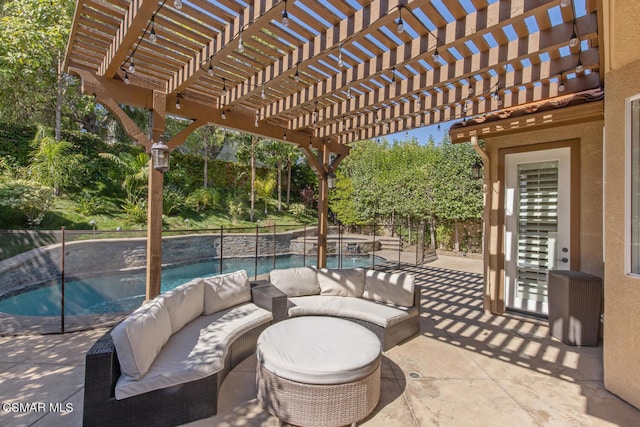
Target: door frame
x=574 y=208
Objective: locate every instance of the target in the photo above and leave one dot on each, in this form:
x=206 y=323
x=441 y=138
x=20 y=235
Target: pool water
x=123 y=292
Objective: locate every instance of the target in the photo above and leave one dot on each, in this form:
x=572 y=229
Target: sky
x=422 y=133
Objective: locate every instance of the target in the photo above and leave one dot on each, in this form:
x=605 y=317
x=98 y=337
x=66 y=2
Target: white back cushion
x=296 y=282
x=348 y=282
x=391 y=288
x=184 y=303
x=139 y=338
x=225 y=291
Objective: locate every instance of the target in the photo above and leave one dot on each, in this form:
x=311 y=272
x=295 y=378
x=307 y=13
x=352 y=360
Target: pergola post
x=154 y=210
x=323 y=207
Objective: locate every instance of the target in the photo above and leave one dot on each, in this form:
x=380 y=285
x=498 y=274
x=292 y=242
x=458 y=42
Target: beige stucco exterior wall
x=622 y=292
x=590 y=240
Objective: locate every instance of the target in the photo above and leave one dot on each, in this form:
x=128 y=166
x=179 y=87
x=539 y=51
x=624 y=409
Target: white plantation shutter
x=537 y=228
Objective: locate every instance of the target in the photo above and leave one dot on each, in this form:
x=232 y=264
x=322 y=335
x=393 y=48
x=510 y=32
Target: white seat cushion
x=319 y=350
x=347 y=282
x=139 y=338
x=184 y=303
x=391 y=288
x=226 y=290
x=295 y=282
x=356 y=308
x=196 y=351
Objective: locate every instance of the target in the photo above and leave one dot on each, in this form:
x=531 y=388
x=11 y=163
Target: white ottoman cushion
x=319 y=350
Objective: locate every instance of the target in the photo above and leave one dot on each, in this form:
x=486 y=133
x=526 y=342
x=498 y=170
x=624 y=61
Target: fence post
x=399 y=244
x=373 y=258
x=221 y=246
x=255 y=268
x=274 y=246
x=339 y=246
x=304 y=247
x=62 y=284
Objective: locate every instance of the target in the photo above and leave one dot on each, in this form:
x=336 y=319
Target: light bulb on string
x=561 y=86
x=565 y=3
x=257 y=122
x=240 y=43
x=579 y=67
x=210 y=70
x=132 y=67
x=263 y=95
x=285 y=15
x=436 y=55
x=177 y=4
x=224 y=87
x=340 y=61
x=126 y=78
x=223 y=115
x=573 y=41
x=296 y=76
x=152 y=34
x=400 y=27
x=178 y=106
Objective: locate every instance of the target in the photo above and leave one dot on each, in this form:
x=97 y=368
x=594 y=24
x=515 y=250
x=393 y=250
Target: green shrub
x=297 y=209
x=204 y=198
x=235 y=210
x=172 y=201
x=136 y=210
x=32 y=200
x=87 y=203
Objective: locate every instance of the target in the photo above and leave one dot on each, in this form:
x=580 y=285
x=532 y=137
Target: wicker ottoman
x=318 y=371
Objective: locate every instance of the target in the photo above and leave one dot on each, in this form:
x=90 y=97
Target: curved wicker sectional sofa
x=164 y=364
x=387 y=304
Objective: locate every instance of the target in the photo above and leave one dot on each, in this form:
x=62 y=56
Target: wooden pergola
x=335 y=73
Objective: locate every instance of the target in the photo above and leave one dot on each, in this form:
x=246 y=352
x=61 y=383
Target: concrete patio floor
x=465 y=368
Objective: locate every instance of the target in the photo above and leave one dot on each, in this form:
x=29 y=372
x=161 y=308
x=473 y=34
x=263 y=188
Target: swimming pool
x=123 y=292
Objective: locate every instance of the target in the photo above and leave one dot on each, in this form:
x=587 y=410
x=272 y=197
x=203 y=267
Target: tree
x=264 y=189
x=457 y=196
x=33 y=37
x=135 y=172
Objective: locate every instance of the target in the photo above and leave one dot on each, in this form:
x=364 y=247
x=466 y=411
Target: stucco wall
x=590 y=240
x=622 y=292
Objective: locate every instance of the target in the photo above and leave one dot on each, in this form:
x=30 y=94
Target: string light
x=349 y=95
x=152 y=34
x=579 y=67
x=296 y=76
x=240 y=43
x=210 y=70
x=223 y=115
x=400 y=22
x=177 y=4
x=285 y=15
x=178 y=106
x=284 y=136
x=257 y=122
x=565 y=3
x=263 y=95
x=224 y=87
x=573 y=41
x=340 y=61
x=436 y=55
x=393 y=78
x=132 y=67
x=561 y=86
x=126 y=78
